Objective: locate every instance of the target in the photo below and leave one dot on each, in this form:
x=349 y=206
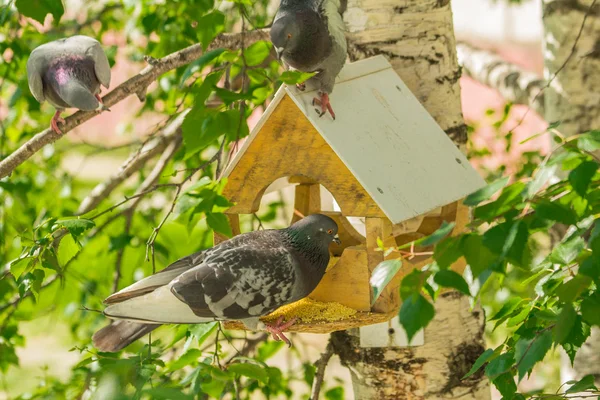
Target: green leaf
x=20 y=265
x=451 y=279
x=510 y=197
x=416 y=313
x=482 y=359
x=432 y=239
x=268 y=350
x=499 y=365
x=565 y=323
x=590 y=309
x=209 y=26
x=382 y=275
x=413 y=283
x=214 y=388
x=554 y=211
x=189 y=357
x=67 y=249
x=257 y=52
x=486 y=192
x=38 y=9
x=336 y=393
x=252 y=371
x=530 y=352
x=577 y=337
x=219 y=223
x=581 y=177
x=447 y=252
x=202 y=331
x=198 y=64
x=566 y=252
x=478 y=256
x=589 y=141
x=506 y=385
x=76 y=226
x=510 y=306
x=119 y=242
x=541 y=177
x=438 y=235
x=295 y=77
x=569 y=291
x=585 y=383
x=167 y=393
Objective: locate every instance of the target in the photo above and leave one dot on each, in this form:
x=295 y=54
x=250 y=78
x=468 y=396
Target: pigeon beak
x=279 y=51
x=337 y=240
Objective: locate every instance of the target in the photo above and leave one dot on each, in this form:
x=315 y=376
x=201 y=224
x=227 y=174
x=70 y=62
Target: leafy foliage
x=560 y=285
x=59 y=264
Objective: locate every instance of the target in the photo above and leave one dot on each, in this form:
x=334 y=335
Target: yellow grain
x=308 y=310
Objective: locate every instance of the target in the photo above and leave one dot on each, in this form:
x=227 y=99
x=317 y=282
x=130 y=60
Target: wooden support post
x=389 y=300
x=307 y=200
x=234 y=223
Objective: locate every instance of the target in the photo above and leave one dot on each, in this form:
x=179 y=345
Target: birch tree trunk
x=417 y=37
x=572 y=57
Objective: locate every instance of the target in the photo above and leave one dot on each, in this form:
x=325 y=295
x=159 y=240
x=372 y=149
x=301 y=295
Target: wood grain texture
x=288 y=145
x=347 y=282
x=307 y=200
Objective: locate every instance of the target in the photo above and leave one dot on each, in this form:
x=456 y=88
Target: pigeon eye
x=330 y=231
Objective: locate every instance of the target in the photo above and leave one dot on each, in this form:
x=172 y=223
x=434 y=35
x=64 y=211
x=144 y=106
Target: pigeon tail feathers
x=120 y=334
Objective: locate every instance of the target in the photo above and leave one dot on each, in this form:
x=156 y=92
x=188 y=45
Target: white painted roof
x=387 y=139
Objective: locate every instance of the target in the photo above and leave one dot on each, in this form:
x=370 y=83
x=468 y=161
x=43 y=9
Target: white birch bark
x=572 y=57
x=417 y=37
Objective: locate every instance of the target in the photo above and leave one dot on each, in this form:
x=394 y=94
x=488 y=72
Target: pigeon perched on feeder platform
x=243 y=278
x=68 y=73
x=309 y=36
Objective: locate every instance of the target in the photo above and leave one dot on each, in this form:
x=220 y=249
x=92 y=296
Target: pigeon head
x=317 y=229
x=285 y=35
x=300 y=33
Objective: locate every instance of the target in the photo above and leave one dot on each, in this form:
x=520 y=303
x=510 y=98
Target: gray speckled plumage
x=310 y=36
x=68 y=73
x=243 y=278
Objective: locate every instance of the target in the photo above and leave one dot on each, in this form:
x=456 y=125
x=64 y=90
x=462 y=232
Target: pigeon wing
x=89 y=47
x=238 y=283
x=35 y=70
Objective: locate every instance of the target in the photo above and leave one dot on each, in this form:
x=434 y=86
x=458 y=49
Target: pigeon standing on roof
x=243 y=278
x=68 y=73
x=309 y=35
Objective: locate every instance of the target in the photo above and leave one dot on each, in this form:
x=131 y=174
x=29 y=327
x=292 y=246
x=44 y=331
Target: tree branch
x=134 y=163
x=321 y=364
x=137 y=84
x=513 y=82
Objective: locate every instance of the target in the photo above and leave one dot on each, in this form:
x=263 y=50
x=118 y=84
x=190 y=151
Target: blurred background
x=98 y=148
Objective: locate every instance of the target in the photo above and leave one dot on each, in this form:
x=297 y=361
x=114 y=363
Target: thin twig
x=564 y=64
x=321 y=365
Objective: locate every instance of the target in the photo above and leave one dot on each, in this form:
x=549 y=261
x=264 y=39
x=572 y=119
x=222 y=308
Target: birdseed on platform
x=308 y=310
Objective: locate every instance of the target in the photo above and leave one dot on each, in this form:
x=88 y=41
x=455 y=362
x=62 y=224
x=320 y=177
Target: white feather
x=158 y=306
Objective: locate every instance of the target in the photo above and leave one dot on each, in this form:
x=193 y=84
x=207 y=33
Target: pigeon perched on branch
x=243 y=278
x=68 y=73
x=309 y=35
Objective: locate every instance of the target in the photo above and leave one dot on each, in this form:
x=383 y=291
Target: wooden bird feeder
x=384 y=158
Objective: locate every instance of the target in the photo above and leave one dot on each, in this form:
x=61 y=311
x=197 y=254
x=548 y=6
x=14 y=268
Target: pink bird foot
x=54 y=122
x=99 y=98
x=278 y=327
x=323 y=101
